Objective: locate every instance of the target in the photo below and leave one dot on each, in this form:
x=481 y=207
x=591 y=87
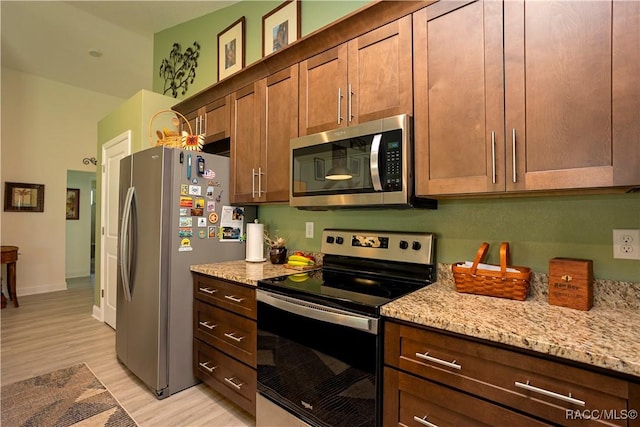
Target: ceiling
x=52 y=39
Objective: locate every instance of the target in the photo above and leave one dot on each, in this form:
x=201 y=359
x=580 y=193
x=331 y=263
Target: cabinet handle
x=253 y=183
x=233 y=336
x=230 y=381
x=513 y=154
x=208 y=290
x=207 y=325
x=206 y=366
x=350 y=109
x=234 y=298
x=493 y=157
x=553 y=394
x=424 y=421
x=339 y=102
x=426 y=356
x=260 y=173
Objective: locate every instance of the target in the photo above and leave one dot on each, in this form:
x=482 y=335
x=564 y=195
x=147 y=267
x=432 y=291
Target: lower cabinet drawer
x=540 y=387
x=411 y=401
x=226 y=331
x=235 y=380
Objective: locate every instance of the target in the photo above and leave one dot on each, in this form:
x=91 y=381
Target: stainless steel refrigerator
x=174 y=212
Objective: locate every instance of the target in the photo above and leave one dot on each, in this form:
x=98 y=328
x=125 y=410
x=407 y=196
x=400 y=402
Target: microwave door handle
x=374 y=162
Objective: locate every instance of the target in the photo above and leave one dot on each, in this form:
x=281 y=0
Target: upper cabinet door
x=570 y=92
x=367 y=78
x=281 y=119
x=459 y=98
x=245 y=144
x=380 y=80
x=323 y=81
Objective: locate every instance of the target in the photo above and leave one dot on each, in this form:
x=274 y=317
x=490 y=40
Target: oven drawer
x=228 y=295
x=226 y=331
x=408 y=398
x=508 y=377
x=233 y=379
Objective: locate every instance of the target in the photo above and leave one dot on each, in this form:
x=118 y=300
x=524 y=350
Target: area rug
x=67 y=397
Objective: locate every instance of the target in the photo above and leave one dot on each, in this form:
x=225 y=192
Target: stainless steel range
x=320 y=333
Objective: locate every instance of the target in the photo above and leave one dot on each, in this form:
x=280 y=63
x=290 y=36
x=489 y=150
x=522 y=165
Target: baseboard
x=41 y=289
x=97 y=313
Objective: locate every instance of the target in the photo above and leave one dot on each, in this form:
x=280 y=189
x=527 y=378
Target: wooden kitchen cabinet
x=367 y=78
x=264 y=120
x=543 y=96
x=426 y=364
x=214 y=121
x=225 y=338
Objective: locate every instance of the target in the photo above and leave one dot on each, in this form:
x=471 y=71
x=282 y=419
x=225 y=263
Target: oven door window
x=349 y=166
x=321 y=372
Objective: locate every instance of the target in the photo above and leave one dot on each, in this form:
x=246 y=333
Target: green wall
x=537 y=228
x=314 y=15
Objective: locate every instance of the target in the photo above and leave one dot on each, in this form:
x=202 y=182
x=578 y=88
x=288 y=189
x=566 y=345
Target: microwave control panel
x=393 y=166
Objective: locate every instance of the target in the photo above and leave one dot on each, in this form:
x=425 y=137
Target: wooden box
x=571 y=283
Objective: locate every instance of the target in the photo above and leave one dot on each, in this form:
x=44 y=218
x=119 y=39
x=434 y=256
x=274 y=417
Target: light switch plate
x=308 y=232
x=626 y=244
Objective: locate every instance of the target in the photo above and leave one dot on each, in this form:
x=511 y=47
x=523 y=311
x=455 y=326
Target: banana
x=300 y=258
x=298 y=263
x=299 y=277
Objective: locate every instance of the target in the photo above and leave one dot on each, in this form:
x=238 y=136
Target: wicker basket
x=172 y=141
x=502 y=283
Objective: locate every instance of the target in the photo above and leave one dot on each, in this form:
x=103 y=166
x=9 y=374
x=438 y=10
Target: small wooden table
x=9 y=257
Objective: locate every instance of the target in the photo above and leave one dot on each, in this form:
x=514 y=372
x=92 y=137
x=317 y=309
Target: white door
x=112 y=152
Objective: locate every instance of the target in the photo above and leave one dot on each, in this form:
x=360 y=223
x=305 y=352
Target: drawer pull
x=555 y=395
x=426 y=356
x=234 y=298
x=207 y=325
x=233 y=336
x=230 y=381
x=206 y=366
x=208 y=290
x=424 y=421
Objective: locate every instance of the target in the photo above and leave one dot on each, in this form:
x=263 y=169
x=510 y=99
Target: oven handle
x=319 y=312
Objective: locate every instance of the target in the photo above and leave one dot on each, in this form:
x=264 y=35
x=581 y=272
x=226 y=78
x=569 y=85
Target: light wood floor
x=56 y=330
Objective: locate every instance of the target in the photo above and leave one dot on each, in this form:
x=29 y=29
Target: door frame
x=105 y=186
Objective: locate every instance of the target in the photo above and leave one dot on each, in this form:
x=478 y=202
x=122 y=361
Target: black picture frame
x=23 y=197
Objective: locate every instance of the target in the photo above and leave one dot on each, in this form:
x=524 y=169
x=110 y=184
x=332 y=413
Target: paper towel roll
x=255 y=236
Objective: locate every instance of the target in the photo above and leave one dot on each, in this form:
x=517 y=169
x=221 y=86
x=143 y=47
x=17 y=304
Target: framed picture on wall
x=231 y=48
x=73 y=203
x=21 y=197
x=281 y=27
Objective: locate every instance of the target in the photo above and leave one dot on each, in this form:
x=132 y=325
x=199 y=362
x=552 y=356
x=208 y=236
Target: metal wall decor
x=179 y=70
x=88 y=160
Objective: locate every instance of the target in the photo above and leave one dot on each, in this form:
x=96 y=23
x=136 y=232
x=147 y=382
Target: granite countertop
x=607 y=336
x=242 y=271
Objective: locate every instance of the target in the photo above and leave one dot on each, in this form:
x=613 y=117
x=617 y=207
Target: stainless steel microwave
x=368 y=164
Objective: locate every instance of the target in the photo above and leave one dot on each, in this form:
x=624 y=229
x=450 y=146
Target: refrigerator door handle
x=125 y=253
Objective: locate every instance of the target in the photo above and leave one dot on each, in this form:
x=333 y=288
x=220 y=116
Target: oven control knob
x=416 y=246
x=339 y=240
x=330 y=239
x=404 y=244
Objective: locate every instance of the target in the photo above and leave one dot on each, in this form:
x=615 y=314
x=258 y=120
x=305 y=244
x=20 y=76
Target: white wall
x=47 y=129
x=78 y=232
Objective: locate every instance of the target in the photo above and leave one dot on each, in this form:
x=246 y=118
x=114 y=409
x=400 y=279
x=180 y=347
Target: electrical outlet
x=626 y=244
x=308 y=231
